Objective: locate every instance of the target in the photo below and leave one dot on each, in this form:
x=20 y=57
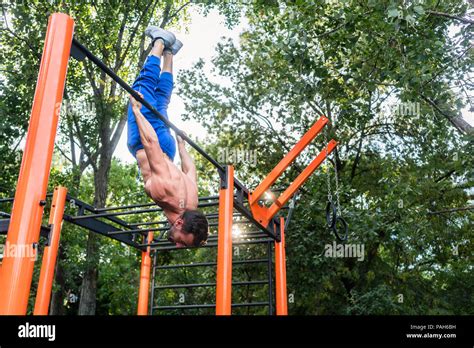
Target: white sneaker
x=155 y=32
x=175 y=47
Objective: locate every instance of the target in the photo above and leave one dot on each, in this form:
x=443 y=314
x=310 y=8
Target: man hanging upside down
x=151 y=142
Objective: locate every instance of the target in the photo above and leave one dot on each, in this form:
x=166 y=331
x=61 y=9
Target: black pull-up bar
x=79 y=51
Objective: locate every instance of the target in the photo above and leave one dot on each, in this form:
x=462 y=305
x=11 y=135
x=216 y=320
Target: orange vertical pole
x=144 y=290
x=17 y=270
x=45 y=284
x=224 y=245
x=280 y=270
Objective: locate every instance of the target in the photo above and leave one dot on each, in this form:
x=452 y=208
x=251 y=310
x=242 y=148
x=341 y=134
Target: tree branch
x=447 y=15
x=458 y=122
x=453 y=210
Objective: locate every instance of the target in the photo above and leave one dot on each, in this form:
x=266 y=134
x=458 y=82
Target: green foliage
x=355 y=62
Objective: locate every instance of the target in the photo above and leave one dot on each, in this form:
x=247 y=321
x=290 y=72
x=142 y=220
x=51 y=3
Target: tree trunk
x=57 y=297
x=87 y=304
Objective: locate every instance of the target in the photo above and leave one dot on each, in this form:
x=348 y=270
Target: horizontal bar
x=84 y=206
x=146 y=204
x=103 y=228
x=211 y=245
x=205 y=285
x=212 y=238
x=164 y=222
x=145 y=103
x=211 y=305
x=130 y=212
x=6 y=200
x=139 y=230
x=5 y=223
x=11 y=199
x=212 y=224
x=148 y=223
x=206 y=264
x=210 y=216
x=104 y=215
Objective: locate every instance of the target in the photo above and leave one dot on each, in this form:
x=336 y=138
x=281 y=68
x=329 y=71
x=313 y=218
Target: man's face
x=178 y=236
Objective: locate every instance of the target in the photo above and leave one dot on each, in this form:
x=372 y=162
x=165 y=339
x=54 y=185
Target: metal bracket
x=223 y=175
x=76 y=53
x=48 y=240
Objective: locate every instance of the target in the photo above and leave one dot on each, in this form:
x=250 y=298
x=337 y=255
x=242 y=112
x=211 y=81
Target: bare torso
x=174 y=191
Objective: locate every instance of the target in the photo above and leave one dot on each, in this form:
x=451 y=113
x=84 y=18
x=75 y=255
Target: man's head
x=190 y=229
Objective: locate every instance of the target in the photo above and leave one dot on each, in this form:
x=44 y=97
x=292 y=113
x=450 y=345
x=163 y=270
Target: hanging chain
x=338 y=203
x=328 y=174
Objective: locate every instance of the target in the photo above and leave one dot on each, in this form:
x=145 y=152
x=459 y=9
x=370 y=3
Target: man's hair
x=195 y=222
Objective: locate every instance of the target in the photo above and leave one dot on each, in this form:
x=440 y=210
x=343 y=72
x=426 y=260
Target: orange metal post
x=287 y=160
x=17 y=270
x=280 y=271
x=45 y=284
x=144 y=291
x=224 y=246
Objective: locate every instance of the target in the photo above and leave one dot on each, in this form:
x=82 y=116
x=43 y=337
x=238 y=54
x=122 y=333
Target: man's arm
x=149 y=140
x=187 y=163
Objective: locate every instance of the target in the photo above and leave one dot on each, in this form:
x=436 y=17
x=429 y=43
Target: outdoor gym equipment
x=24 y=224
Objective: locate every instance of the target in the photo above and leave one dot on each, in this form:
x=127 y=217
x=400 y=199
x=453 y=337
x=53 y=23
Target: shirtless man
x=151 y=142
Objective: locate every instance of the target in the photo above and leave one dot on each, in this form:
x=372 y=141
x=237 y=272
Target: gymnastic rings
x=344 y=229
x=331 y=214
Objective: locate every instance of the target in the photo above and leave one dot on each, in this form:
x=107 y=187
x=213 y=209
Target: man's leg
x=149 y=76
x=163 y=92
x=165 y=85
x=146 y=84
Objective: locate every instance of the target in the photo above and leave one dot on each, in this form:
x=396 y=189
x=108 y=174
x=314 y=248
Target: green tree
x=392 y=78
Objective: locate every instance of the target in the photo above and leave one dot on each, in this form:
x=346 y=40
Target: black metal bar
x=250 y=217
x=105 y=215
x=290 y=211
x=207 y=264
x=103 y=228
x=205 y=285
x=206 y=198
x=84 y=206
x=161 y=228
x=270 y=278
x=11 y=199
x=5 y=223
x=99 y=210
x=130 y=212
x=148 y=223
x=211 y=245
x=212 y=238
x=210 y=305
x=6 y=200
x=79 y=49
x=130 y=90
x=138 y=230
x=210 y=216
x=273 y=225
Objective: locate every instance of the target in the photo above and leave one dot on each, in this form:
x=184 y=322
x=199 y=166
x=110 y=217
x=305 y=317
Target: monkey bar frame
x=25 y=223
